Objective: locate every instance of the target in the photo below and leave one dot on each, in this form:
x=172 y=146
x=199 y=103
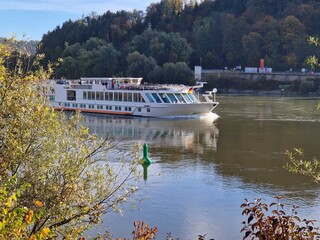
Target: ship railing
x=210 y=94
x=76 y=83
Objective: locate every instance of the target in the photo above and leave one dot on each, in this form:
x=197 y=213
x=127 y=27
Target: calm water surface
x=204 y=168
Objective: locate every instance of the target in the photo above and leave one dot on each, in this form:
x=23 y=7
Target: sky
x=30 y=19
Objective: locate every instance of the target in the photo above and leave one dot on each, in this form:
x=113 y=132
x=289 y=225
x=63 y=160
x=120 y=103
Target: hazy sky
x=33 y=18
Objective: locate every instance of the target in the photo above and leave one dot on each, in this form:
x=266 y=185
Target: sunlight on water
x=209 y=117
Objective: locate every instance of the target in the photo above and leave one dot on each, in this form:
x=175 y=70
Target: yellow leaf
x=38 y=203
x=9 y=203
x=45 y=232
x=14 y=197
x=29 y=216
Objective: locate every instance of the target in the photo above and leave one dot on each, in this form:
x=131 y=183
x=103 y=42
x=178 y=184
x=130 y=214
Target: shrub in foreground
x=278 y=225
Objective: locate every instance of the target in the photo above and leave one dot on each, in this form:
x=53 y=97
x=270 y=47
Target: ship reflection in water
x=182 y=153
x=190 y=134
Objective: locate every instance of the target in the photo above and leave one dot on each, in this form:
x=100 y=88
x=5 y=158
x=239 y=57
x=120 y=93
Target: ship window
x=148 y=109
x=110 y=96
x=139 y=109
x=82 y=105
x=129 y=97
x=186 y=97
x=74 y=105
x=164 y=98
x=99 y=96
x=91 y=95
x=156 y=97
x=84 y=95
x=135 y=97
x=192 y=97
x=116 y=96
x=71 y=95
x=150 y=97
x=100 y=107
x=106 y=96
x=125 y=97
x=180 y=98
x=172 y=98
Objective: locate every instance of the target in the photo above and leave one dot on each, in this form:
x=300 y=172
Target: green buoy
x=145 y=161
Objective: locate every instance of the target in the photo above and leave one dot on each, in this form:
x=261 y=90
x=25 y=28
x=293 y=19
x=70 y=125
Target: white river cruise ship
x=128 y=96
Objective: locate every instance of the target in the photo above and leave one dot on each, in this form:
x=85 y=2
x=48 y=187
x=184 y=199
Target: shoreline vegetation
x=262 y=86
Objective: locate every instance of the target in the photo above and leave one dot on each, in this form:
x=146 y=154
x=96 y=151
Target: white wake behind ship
x=128 y=96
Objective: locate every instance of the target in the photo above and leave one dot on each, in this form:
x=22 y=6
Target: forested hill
x=173 y=36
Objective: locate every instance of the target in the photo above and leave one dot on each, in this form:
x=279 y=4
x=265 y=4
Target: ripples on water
x=204 y=168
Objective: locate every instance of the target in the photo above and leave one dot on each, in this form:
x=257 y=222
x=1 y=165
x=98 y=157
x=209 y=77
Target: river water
x=203 y=169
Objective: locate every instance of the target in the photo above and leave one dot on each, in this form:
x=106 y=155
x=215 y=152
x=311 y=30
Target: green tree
x=251 y=44
x=177 y=73
x=69 y=68
x=208 y=42
x=163 y=47
x=292 y=35
x=65 y=166
x=139 y=65
x=107 y=61
x=93 y=58
x=156 y=75
x=233 y=30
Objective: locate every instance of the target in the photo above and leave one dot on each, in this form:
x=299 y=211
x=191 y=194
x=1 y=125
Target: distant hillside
x=29 y=46
x=215 y=34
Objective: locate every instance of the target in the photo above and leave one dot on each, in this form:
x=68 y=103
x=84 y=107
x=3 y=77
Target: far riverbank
x=261 y=84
